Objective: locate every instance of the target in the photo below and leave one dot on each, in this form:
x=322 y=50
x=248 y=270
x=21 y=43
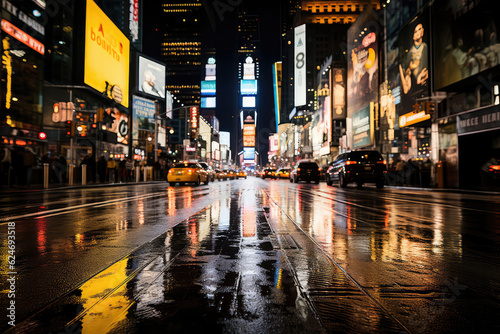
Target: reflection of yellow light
x=15 y=99
x=7 y=61
x=105 y=312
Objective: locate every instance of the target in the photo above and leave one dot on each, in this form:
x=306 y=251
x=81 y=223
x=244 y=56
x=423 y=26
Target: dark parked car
x=305 y=170
x=366 y=166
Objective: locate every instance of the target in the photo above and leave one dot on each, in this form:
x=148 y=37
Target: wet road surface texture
x=252 y=256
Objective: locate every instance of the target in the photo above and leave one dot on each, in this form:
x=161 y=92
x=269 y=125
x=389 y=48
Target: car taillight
x=494 y=167
x=190 y=171
x=170 y=171
x=349 y=162
x=382 y=162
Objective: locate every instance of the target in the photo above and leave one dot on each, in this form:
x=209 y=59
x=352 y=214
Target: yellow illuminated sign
x=107 y=54
x=412 y=118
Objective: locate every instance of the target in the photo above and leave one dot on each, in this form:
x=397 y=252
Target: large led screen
x=208 y=88
x=143 y=111
x=151 y=77
x=249 y=153
x=208 y=102
x=248 y=102
x=362 y=62
x=107 y=53
x=248 y=87
x=414 y=70
x=465 y=39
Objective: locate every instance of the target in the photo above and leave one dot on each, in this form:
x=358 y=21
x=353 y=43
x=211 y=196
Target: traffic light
x=80 y=105
x=430 y=108
x=405 y=142
x=70 y=129
x=175 y=132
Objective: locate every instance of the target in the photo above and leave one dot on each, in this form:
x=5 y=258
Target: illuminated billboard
x=414 y=70
x=249 y=153
x=299 y=76
x=208 y=88
x=249 y=135
x=361 y=128
x=107 y=53
x=362 y=63
x=465 y=39
x=151 y=77
x=338 y=93
x=248 y=102
x=248 y=87
x=277 y=68
x=208 y=102
x=143 y=111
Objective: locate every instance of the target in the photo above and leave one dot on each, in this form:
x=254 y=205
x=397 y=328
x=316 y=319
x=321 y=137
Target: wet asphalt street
x=249 y=256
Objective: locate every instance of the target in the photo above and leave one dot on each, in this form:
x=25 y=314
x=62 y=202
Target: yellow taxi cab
x=220 y=175
x=284 y=173
x=187 y=172
x=231 y=174
x=241 y=174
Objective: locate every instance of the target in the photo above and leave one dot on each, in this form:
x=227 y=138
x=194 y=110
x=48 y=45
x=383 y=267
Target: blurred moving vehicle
x=230 y=174
x=241 y=174
x=220 y=175
x=364 y=166
x=209 y=169
x=283 y=173
x=187 y=172
x=305 y=170
x=269 y=172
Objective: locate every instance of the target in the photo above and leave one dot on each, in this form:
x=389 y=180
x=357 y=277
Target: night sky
x=226 y=42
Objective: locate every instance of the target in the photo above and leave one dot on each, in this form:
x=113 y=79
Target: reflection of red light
x=41 y=238
x=349 y=220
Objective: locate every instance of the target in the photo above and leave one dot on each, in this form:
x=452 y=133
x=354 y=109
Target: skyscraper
x=180 y=26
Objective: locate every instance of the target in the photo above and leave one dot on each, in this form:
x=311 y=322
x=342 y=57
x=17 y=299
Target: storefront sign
x=412 y=118
x=481 y=120
x=23 y=37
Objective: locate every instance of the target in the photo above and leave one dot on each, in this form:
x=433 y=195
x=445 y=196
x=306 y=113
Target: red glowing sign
x=42 y=135
x=194 y=117
x=23 y=37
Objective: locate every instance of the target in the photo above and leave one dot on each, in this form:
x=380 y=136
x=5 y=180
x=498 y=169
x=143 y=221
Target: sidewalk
x=54 y=186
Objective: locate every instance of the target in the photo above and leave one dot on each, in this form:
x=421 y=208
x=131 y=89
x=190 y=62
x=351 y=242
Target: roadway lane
x=324 y=258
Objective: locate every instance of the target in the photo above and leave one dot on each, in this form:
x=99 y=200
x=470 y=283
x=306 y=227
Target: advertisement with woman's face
x=466 y=39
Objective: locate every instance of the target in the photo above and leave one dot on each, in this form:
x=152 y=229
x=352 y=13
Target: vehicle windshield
x=186 y=165
x=365 y=156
